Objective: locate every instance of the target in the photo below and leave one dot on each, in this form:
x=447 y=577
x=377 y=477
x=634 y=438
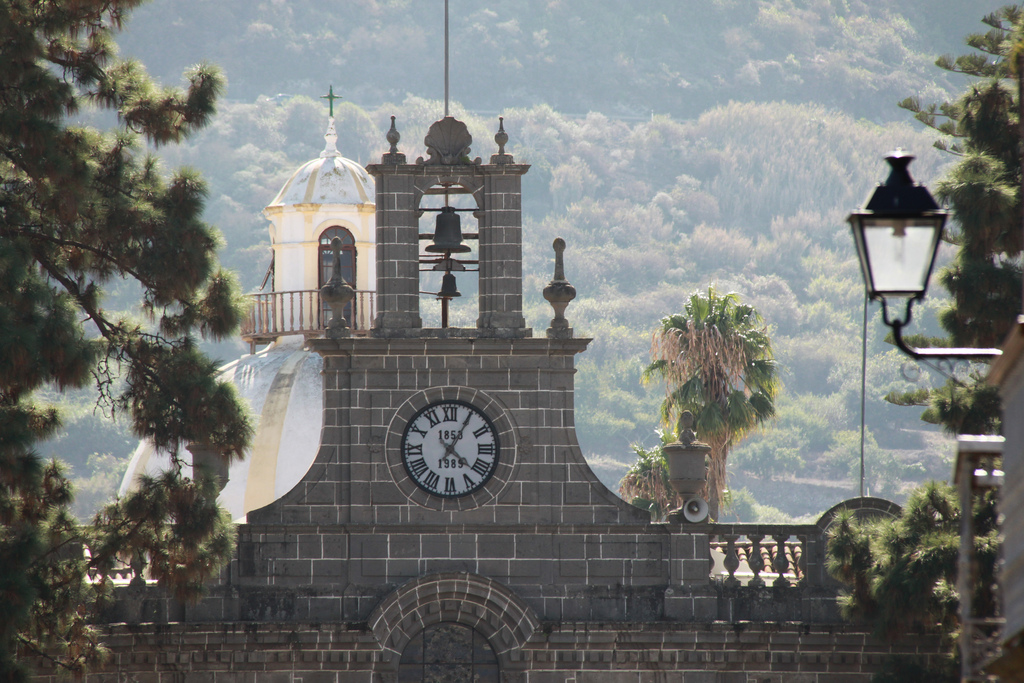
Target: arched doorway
x=348 y=267
x=448 y=652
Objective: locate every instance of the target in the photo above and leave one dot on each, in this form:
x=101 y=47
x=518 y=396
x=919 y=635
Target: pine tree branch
x=111 y=331
x=105 y=255
x=36 y=650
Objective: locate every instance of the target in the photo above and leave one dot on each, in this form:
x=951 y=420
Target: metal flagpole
x=446 y=58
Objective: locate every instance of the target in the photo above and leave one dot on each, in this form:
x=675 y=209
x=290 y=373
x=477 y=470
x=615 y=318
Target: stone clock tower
x=449 y=499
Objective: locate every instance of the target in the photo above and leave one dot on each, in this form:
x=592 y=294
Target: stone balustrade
x=756 y=555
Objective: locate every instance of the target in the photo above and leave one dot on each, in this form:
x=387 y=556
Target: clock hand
x=462 y=429
x=455 y=454
x=449 y=449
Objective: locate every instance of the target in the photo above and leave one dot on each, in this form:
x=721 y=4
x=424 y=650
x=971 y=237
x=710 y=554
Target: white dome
x=283 y=388
x=329 y=179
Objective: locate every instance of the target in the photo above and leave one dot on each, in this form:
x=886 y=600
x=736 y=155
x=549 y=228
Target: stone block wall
x=398 y=249
x=501 y=250
x=543 y=525
x=582 y=652
x=373 y=386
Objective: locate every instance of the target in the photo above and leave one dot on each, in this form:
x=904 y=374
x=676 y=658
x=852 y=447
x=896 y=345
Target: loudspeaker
x=695 y=510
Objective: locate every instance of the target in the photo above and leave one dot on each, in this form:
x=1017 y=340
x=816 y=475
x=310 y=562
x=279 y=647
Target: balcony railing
x=277 y=314
x=761 y=554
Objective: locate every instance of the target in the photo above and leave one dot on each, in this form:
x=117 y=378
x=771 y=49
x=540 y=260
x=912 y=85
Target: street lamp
x=897 y=234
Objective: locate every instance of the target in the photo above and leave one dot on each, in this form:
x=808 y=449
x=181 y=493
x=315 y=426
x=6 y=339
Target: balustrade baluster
x=732 y=560
x=755 y=560
x=781 y=563
x=798 y=551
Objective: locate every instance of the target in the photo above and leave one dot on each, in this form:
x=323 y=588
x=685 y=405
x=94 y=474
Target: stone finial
x=336 y=294
x=501 y=138
x=331 y=139
x=393 y=156
x=206 y=458
x=684 y=429
x=138 y=565
x=559 y=293
x=448 y=142
x=687 y=469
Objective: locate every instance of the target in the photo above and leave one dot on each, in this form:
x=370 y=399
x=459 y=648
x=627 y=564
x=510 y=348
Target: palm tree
x=646 y=483
x=716 y=360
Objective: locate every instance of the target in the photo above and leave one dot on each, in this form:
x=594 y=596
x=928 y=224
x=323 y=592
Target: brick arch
x=864 y=508
x=472 y=186
x=472 y=600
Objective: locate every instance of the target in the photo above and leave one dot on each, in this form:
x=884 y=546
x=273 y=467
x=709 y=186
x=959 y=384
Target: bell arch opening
x=449 y=255
x=325 y=259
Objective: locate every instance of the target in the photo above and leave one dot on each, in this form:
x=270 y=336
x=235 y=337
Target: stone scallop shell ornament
x=448 y=142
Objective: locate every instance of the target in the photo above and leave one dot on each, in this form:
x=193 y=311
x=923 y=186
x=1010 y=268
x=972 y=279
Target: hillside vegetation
x=672 y=146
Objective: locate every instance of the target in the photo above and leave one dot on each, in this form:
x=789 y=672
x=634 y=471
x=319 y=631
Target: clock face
x=450 y=449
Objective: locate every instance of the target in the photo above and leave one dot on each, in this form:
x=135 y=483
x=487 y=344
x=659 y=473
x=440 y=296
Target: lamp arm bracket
x=897 y=323
x=937 y=353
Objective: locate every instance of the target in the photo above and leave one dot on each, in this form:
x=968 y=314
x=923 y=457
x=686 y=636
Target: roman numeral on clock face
x=417 y=467
x=451 y=413
x=430 y=481
x=481 y=467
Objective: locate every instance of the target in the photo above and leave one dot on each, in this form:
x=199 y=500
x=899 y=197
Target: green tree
x=80 y=210
x=901 y=574
x=716 y=361
x=983 y=191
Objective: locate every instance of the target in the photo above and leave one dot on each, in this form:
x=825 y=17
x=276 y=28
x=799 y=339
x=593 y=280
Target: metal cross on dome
x=330 y=97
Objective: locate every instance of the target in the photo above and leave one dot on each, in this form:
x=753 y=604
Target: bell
x=448 y=288
x=447 y=233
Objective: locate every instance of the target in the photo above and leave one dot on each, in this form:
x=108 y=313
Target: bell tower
x=495 y=191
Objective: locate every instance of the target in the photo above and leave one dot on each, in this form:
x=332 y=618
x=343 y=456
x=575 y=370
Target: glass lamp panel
x=899 y=253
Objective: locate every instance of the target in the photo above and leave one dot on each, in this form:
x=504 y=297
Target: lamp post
x=897 y=234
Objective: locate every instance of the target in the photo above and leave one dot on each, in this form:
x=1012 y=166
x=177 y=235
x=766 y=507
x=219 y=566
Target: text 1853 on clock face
x=450 y=448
